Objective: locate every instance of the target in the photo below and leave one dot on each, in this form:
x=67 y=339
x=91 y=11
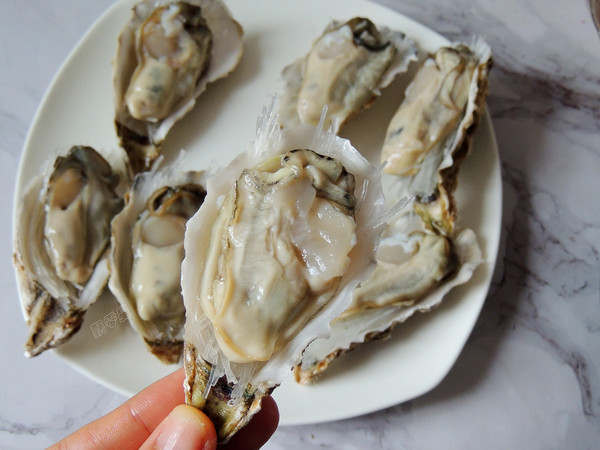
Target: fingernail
x=186 y=428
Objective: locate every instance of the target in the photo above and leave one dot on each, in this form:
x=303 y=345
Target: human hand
x=158 y=418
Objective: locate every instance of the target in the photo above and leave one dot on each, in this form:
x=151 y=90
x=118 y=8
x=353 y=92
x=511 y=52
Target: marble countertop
x=529 y=375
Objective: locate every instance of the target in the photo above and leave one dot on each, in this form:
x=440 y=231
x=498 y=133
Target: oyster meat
x=422 y=256
x=146 y=255
x=402 y=278
x=270 y=260
x=344 y=71
x=61 y=243
x=167 y=54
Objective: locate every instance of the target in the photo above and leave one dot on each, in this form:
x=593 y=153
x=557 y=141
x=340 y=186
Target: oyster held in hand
x=61 y=243
x=270 y=260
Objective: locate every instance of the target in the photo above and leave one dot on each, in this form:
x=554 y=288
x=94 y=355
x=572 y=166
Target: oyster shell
x=432 y=129
x=345 y=70
x=422 y=256
x=146 y=255
x=424 y=268
x=270 y=260
x=167 y=54
x=61 y=242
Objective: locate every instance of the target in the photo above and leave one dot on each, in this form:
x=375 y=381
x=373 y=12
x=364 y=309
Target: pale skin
x=157 y=418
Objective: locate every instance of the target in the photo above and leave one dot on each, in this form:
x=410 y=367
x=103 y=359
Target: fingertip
x=196 y=418
x=259 y=430
x=270 y=412
x=184 y=427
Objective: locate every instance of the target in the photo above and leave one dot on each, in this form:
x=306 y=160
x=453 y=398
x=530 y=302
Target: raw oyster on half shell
x=270 y=259
x=415 y=270
x=147 y=251
x=167 y=54
x=432 y=129
x=61 y=244
x=421 y=256
x=345 y=71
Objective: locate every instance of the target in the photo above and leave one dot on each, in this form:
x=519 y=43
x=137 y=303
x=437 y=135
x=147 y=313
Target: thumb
x=184 y=428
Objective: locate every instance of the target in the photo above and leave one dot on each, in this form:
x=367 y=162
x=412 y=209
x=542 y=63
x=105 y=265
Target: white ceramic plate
x=78 y=109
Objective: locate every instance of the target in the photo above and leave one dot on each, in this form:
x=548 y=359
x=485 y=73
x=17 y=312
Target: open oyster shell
x=432 y=129
x=61 y=243
x=422 y=256
x=256 y=243
x=166 y=55
x=345 y=70
x=146 y=254
x=424 y=268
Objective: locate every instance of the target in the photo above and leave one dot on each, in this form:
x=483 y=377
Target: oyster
x=402 y=278
x=345 y=71
x=61 y=239
x=414 y=273
x=167 y=54
x=270 y=260
x=422 y=256
x=432 y=129
x=146 y=255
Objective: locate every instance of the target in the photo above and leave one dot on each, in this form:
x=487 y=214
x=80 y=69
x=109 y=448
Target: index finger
x=129 y=425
